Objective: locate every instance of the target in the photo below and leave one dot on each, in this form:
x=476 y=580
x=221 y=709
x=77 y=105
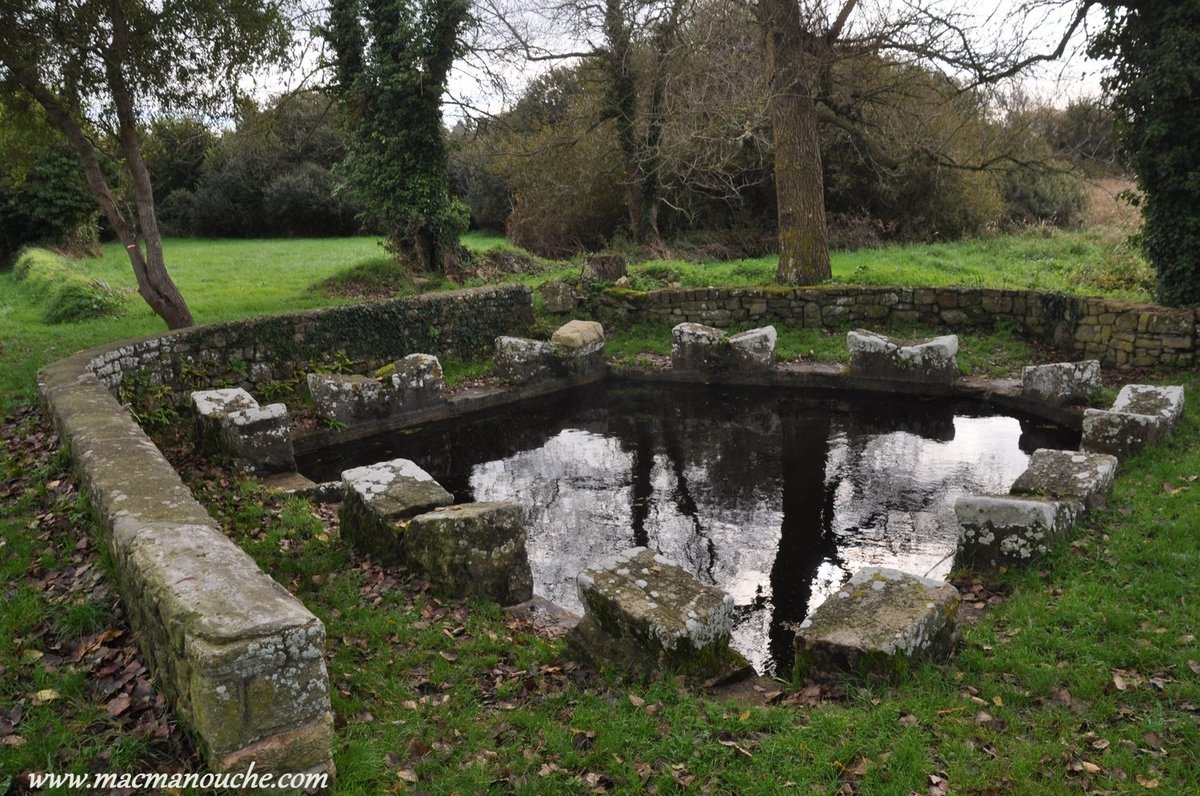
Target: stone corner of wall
x=241 y=659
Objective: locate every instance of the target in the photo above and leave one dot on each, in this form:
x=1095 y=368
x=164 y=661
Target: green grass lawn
x=1083 y=677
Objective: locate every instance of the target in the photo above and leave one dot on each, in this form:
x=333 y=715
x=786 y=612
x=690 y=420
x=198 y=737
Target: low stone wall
x=240 y=657
x=461 y=324
x=1118 y=333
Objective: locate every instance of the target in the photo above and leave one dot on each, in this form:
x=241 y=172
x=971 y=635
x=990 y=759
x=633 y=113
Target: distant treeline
x=548 y=174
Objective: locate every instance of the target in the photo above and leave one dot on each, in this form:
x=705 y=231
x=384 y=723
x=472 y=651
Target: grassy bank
x=1083 y=674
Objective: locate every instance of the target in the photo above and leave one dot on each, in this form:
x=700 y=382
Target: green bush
x=66 y=295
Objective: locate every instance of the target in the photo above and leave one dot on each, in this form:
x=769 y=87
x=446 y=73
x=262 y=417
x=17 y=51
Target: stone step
x=878 y=622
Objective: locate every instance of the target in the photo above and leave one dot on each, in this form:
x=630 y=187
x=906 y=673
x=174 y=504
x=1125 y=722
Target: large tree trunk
x=799 y=182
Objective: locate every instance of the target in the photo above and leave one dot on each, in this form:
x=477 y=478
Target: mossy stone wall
x=1118 y=333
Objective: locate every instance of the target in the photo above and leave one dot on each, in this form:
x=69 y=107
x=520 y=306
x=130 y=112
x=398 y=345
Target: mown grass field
x=1082 y=675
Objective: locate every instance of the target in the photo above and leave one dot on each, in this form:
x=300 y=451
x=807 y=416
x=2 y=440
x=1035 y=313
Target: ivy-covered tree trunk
x=1154 y=87
x=799 y=181
x=392 y=58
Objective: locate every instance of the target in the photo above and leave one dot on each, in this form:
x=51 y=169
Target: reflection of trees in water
x=806 y=538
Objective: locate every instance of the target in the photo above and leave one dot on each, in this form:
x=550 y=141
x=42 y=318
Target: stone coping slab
x=473 y=549
x=1119 y=434
x=241 y=659
x=875 y=624
x=1086 y=477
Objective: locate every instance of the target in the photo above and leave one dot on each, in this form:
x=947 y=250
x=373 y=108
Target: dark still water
x=772 y=497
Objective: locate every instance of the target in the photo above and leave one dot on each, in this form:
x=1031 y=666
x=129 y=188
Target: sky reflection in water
x=773 y=498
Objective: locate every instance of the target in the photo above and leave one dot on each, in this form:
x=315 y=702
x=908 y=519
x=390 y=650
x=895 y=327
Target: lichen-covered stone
x=379 y=498
x=260 y=438
x=1006 y=528
x=417 y=382
x=876 y=624
x=1071 y=475
x=347 y=399
x=558 y=297
x=472 y=549
x=876 y=356
x=1120 y=434
x=1147 y=399
x=696 y=347
x=519 y=360
x=603 y=268
x=211 y=406
x=643 y=611
x=1062 y=382
x=754 y=349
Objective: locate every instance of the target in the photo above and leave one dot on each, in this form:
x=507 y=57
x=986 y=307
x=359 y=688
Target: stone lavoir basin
x=772 y=497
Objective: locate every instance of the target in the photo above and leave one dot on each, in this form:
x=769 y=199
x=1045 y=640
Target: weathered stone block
x=876 y=624
x=417 y=382
x=579 y=335
x=1062 y=382
x=1004 y=528
x=347 y=400
x=558 y=297
x=643 y=611
x=1120 y=434
x=1068 y=475
x=1147 y=399
x=211 y=406
x=696 y=347
x=876 y=356
x=261 y=438
x=521 y=360
x=603 y=268
x=754 y=349
x=379 y=498
x=703 y=348
x=473 y=549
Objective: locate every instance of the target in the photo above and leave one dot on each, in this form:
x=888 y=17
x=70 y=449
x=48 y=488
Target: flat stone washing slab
x=1086 y=477
x=1062 y=382
x=473 y=549
x=1147 y=399
x=379 y=498
x=643 y=612
x=876 y=624
x=1003 y=528
x=579 y=335
x=874 y=355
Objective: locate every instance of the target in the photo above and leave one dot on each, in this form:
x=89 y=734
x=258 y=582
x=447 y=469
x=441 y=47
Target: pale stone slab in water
x=643 y=611
x=879 y=621
x=1062 y=382
x=379 y=498
x=1120 y=434
x=1086 y=477
x=1148 y=399
x=1006 y=528
x=260 y=437
x=876 y=356
x=473 y=549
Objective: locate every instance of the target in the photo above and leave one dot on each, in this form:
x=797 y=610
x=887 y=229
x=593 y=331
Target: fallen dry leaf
x=1146 y=782
x=44 y=696
x=908 y=720
x=636 y=700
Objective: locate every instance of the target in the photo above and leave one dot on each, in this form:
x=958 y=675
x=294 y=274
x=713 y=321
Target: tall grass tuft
x=66 y=295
